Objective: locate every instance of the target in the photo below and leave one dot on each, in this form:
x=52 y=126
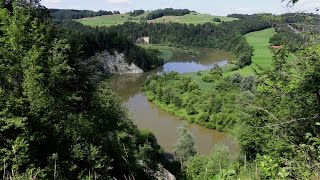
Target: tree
x=56 y=116
x=217 y=20
x=184 y=149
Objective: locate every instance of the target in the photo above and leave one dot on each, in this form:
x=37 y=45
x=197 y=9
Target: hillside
x=193 y=18
x=116 y=19
x=262 y=56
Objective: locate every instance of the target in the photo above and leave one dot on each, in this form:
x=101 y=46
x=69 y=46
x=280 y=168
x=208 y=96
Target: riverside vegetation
x=273 y=112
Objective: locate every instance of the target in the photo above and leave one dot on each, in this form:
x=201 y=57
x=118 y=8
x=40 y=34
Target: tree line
x=137 y=12
x=64 y=14
x=167 y=12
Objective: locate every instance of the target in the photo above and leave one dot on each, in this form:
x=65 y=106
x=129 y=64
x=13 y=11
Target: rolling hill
x=116 y=19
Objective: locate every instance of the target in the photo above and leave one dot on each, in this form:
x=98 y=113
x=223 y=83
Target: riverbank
x=163 y=124
x=212 y=91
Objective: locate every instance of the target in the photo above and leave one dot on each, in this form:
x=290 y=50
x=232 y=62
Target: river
x=165 y=126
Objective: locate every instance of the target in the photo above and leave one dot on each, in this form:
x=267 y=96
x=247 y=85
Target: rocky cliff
x=116 y=64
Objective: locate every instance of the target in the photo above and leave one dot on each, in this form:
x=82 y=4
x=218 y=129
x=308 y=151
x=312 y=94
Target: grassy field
x=262 y=55
x=193 y=18
x=110 y=20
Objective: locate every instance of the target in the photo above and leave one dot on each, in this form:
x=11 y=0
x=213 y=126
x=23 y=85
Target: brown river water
x=165 y=126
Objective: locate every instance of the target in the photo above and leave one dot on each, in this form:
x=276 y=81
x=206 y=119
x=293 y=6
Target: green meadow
x=262 y=56
x=192 y=18
x=111 y=20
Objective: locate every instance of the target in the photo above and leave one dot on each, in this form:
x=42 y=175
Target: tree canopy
x=58 y=120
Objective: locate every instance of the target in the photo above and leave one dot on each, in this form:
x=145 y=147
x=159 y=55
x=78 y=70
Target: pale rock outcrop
x=116 y=64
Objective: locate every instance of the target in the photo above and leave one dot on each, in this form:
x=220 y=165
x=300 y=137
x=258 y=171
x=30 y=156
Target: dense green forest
x=167 y=12
x=95 y=40
x=274 y=114
x=64 y=14
x=227 y=35
x=214 y=108
x=58 y=120
x=136 y=12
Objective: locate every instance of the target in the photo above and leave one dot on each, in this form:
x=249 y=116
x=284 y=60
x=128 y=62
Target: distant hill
x=191 y=18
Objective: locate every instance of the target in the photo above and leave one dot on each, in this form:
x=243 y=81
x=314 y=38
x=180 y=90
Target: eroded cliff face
x=116 y=64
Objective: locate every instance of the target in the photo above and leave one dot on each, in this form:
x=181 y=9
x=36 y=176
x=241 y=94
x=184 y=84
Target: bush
x=248 y=83
x=208 y=78
x=216 y=20
x=203 y=118
x=244 y=60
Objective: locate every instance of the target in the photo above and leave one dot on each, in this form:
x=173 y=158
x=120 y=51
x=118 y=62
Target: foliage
x=137 y=12
x=207 y=167
x=96 y=40
x=215 y=108
x=57 y=120
x=288 y=38
x=167 y=12
x=65 y=14
x=217 y=20
x=184 y=149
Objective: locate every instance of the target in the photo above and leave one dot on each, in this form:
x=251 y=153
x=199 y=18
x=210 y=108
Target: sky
x=215 y=7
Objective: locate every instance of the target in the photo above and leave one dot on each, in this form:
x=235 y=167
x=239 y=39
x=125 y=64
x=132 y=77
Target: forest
x=167 y=12
x=96 y=40
x=136 y=12
x=58 y=118
x=64 y=14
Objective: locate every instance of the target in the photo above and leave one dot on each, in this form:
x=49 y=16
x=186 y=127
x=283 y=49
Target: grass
x=262 y=55
x=110 y=20
x=193 y=18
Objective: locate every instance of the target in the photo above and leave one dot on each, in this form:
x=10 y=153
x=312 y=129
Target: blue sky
x=216 y=7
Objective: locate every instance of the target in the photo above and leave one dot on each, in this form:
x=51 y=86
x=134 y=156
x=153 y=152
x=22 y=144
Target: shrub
x=208 y=78
x=216 y=20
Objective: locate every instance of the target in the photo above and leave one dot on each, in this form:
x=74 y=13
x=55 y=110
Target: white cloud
x=119 y=1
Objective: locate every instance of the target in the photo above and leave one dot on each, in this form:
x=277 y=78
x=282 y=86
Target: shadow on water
x=164 y=125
